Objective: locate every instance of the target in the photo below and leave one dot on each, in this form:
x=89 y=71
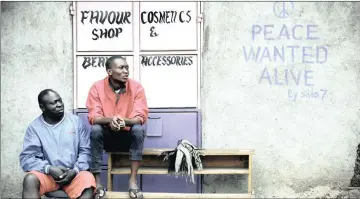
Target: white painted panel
x=169 y=80
x=168 y=26
x=104 y=26
x=91 y=69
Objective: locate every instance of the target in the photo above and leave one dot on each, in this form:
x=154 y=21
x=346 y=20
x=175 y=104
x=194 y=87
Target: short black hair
x=43 y=93
x=111 y=59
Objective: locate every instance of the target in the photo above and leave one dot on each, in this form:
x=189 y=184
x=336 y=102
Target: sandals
x=137 y=193
x=100 y=192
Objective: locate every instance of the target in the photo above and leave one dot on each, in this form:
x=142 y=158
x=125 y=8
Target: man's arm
x=31 y=156
x=93 y=104
x=133 y=121
x=84 y=156
x=102 y=120
x=140 y=110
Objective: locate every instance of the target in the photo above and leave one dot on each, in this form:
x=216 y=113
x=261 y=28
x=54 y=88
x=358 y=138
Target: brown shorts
x=82 y=181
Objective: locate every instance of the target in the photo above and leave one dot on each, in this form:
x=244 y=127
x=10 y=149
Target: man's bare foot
x=134 y=191
x=100 y=191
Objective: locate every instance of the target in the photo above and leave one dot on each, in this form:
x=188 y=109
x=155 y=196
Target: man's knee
x=96 y=132
x=138 y=132
x=32 y=180
x=86 y=176
x=83 y=182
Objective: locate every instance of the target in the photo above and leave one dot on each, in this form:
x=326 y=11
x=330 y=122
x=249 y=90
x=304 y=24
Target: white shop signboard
x=169 y=80
x=104 y=26
x=91 y=69
x=104 y=29
x=168 y=26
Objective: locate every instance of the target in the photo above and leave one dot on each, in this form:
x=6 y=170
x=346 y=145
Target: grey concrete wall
x=36 y=53
x=304 y=146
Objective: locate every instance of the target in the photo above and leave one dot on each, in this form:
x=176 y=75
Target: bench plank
x=149 y=195
x=239 y=161
x=152 y=170
x=153 y=151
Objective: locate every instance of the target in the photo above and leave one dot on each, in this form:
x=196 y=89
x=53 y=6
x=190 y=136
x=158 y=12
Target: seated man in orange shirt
x=117 y=109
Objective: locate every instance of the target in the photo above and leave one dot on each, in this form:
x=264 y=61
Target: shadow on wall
x=6 y=6
x=355 y=180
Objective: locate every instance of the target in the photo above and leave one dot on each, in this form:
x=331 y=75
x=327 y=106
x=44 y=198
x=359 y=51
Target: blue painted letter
x=254 y=31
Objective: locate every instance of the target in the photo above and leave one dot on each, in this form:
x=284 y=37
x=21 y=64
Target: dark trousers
x=103 y=138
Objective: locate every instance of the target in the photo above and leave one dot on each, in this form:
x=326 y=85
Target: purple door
x=163 y=130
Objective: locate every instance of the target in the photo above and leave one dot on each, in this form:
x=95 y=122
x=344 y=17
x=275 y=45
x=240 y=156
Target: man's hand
x=117 y=124
x=121 y=121
x=56 y=172
x=64 y=172
x=114 y=125
x=66 y=177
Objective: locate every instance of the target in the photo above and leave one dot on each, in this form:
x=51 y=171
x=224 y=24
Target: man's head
x=117 y=68
x=51 y=103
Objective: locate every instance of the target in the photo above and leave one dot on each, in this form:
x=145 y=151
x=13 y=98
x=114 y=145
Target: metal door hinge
x=200 y=18
x=71 y=9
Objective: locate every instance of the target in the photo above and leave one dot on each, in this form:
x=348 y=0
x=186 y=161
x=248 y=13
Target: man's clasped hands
x=117 y=124
x=62 y=176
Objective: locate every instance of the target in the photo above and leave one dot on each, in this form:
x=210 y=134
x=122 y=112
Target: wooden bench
x=215 y=161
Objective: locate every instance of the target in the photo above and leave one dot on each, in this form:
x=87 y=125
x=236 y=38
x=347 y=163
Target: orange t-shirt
x=103 y=101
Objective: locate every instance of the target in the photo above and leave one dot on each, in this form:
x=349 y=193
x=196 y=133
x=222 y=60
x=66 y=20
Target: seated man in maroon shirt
x=117 y=109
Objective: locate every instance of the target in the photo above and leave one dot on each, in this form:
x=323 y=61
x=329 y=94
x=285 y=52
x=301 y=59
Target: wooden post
x=250 y=175
x=110 y=176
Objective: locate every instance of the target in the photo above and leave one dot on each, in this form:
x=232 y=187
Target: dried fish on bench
x=183 y=160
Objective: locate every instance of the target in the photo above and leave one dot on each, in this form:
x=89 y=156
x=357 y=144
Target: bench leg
x=110 y=181
x=250 y=175
x=141 y=181
x=110 y=176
